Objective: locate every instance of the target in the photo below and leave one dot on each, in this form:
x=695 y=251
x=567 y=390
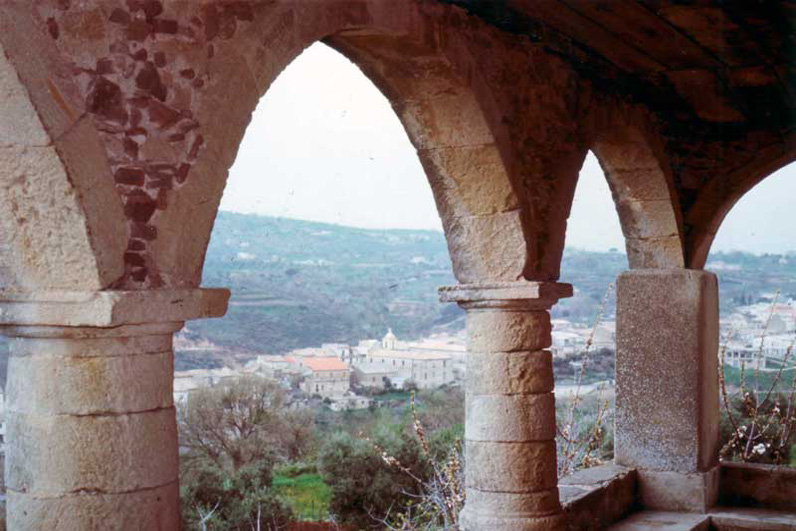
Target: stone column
x=510 y=426
x=91 y=429
x=667 y=396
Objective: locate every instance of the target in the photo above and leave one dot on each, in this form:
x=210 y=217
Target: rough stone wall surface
x=501 y=124
x=141 y=68
x=54 y=185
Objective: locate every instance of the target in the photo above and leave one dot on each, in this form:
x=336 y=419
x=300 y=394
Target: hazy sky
x=325 y=145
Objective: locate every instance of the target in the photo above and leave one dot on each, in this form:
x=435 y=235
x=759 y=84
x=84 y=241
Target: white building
x=329 y=377
x=427 y=364
x=275 y=367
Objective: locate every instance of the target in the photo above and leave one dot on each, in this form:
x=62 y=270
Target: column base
x=679 y=491
x=143 y=510
x=471 y=521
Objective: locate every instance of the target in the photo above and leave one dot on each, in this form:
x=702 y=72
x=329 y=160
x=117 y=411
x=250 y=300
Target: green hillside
x=299 y=283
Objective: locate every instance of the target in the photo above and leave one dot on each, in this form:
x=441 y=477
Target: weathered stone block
x=667 y=370
x=469 y=180
x=510 y=418
x=678 y=491
x=453 y=120
x=512 y=503
x=647 y=219
x=144 y=510
x=486 y=247
x=90 y=385
x=511 y=467
x=509 y=372
x=20 y=125
x=507 y=331
x=42 y=222
x=660 y=253
x=100 y=346
x=54 y=455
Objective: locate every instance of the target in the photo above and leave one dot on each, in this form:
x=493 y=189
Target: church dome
x=389 y=340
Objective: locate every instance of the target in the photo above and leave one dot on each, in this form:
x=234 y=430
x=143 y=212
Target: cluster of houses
x=570 y=338
x=344 y=375
x=760 y=336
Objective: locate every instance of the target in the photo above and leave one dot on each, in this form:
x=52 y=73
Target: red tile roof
x=325 y=364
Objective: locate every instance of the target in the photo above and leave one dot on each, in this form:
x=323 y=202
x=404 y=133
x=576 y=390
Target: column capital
x=106 y=309
x=520 y=295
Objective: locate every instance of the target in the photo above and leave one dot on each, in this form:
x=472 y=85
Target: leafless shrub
x=764 y=420
x=580 y=435
x=441 y=497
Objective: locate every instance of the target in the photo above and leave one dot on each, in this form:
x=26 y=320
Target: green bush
x=366 y=487
x=235 y=499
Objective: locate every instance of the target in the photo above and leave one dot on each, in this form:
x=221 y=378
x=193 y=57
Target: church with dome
x=422 y=364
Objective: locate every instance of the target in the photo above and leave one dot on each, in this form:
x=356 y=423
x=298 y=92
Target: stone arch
x=642 y=189
x=61 y=222
x=716 y=198
x=396 y=48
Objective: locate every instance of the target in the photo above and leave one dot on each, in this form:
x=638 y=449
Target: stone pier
x=510 y=427
x=92 y=434
x=667 y=396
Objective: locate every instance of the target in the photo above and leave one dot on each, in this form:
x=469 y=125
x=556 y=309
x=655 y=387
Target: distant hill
x=299 y=284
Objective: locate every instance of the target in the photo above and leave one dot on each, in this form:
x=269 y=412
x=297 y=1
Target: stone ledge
x=755 y=485
x=718 y=519
x=110 y=308
x=538 y=294
x=663 y=521
x=732 y=519
x=597 y=497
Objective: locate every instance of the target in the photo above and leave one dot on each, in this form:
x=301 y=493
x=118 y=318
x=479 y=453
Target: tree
x=233 y=434
x=298 y=433
x=242 y=422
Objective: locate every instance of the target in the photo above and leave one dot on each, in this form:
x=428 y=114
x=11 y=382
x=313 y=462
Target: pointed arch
x=643 y=191
x=475 y=197
x=717 y=197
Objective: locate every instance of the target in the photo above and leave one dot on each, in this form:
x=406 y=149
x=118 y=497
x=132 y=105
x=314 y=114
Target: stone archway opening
x=328 y=162
x=584 y=326
x=311 y=280
x=754 y=258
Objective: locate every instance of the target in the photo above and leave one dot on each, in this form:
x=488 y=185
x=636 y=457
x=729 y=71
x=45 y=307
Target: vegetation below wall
x=248 y=447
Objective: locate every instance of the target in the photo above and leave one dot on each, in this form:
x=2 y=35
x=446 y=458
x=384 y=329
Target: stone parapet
x=596 y=497
x=757 y=485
